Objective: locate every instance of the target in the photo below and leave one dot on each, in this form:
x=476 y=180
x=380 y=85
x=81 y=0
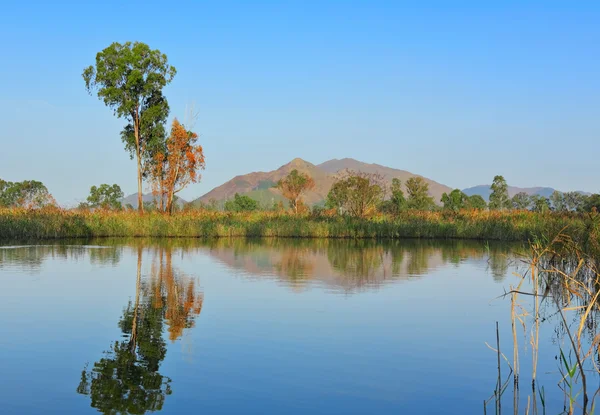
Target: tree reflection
x=127 y=378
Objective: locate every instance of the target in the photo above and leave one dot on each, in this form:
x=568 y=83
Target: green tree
x=574 y=201
x=558 y=201
x=499 y=197
x=293 y=186
x=591 y=202
x=540 y=204
x=455 y=201
x=417 y=190
x=359 y=194
x=29 y=194
x=397 y=201
x=241 y=203
x=476 y=202
x=105 y=196
x=521 y=201
x=129 y=79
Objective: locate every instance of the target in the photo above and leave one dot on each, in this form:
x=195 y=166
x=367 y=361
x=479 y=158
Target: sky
x=457 y=94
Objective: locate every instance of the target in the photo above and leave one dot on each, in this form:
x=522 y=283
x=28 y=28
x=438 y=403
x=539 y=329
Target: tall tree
x=177 y=166
x=294 y=185
x=521 y=201
x=105 y=196
x=499 y=197
x=129 y=79
x=417 y=190
x=455 y=201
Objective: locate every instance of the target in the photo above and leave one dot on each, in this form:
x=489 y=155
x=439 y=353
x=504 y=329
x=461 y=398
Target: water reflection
x=30 y=258
x=355 y=265
x=127 y=378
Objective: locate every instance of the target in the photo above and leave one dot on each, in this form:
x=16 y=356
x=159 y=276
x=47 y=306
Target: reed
x=469 y=224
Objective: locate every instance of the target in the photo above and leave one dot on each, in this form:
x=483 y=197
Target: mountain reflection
x=351 y=265
x=127 y=379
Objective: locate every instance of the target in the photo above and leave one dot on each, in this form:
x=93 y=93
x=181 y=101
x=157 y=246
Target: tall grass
x=483 y=225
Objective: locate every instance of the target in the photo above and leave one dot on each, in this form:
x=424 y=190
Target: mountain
x=259 y=185
x=132 y=199
x=485 y=191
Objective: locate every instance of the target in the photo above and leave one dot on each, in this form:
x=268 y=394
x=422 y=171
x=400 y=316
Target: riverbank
x=480 y=225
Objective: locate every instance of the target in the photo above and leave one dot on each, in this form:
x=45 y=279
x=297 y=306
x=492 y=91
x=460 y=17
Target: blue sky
x=457 y=94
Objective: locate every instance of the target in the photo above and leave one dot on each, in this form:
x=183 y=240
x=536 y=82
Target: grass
x=56 y=223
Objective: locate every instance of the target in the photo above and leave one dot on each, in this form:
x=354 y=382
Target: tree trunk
x=138 y=283
x=136 y=132
x=139 y=179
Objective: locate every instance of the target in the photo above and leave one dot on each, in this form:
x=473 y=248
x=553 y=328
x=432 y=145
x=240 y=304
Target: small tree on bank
x=476 y=202
x=241 y=203
x=499 y=199
x=105 y=197
x=293 y=186
x=417 y=190
x=521 y=201
x=358 y=194
x=129 y=79
x=176 y=166
x=455 y=201
x=28 y=194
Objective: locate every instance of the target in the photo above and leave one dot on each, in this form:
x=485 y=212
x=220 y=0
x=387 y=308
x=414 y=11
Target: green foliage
x=241 y=203
x=359 y=194
x=398 y=200
x=476 y=202
x=26 y=194
x=499 y=197
x=418 y=194
x=558 y=201
x=574 y=201
x=455 y=201
x=129 y=79
x=105 y=196
x=592 y=202
x=540 y=204
x=521 y=201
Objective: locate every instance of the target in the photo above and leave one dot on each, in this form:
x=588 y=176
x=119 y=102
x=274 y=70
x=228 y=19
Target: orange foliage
x=177 y=167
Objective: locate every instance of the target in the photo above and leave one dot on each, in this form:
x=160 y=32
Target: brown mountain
x=259 y=185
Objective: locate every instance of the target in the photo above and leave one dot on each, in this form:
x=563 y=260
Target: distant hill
x=132 y=199
x=259 y=185
x=485 y=191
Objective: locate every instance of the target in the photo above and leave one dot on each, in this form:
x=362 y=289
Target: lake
x=263 y=327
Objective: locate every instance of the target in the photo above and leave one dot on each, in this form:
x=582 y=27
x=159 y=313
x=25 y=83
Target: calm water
x=258 y=327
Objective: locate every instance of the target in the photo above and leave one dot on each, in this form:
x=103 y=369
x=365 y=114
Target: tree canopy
x=358 y=194
x=29 y=194
x=417 y=190
x=455 y=201
x=293 y=186
x=129 y=79
x=241 y=203
x=499 y=199
x=105 y=196
x=176 y=166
